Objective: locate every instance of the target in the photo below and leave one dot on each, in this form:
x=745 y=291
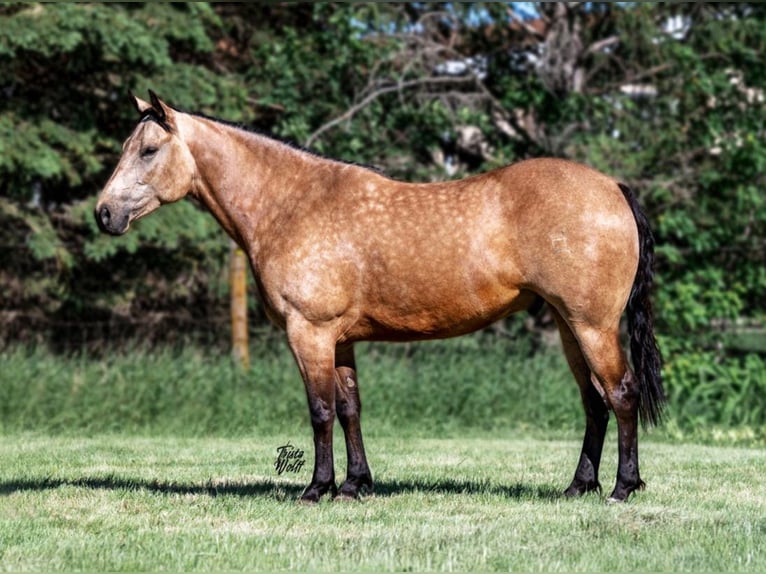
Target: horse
x=341 y=254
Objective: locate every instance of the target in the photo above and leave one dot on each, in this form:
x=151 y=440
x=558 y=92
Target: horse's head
x=156 y=167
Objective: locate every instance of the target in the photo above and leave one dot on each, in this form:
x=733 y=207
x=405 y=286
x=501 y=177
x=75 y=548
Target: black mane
x=286 y=141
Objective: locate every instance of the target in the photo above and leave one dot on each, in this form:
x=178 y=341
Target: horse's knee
x=322 y=413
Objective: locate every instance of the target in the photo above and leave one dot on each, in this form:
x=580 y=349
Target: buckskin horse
x=340 y=253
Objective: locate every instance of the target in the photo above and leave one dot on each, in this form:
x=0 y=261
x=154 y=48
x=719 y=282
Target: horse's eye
x=148 y=152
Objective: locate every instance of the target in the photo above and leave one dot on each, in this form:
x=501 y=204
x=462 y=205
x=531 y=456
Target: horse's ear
x=139 y=104
x=164 y=112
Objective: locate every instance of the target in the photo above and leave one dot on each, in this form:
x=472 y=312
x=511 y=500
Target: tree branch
x=404 y=85
x=601 y=44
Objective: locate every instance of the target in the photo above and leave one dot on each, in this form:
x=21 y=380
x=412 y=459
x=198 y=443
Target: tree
x=65 y=73
x=668 y=98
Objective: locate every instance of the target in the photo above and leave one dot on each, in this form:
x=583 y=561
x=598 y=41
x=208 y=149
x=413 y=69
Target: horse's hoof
x=621 y=493
x=353 y=488
x=579 y=488
x=314 y=492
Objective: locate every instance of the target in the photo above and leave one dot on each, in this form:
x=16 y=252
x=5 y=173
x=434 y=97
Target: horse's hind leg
x=596 y=414
x=607 y=361
x=348 y=407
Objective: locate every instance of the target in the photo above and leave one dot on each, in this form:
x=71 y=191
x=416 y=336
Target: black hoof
x=621 y=492
x=314 y=492
x=580 y=487
x=353 y=487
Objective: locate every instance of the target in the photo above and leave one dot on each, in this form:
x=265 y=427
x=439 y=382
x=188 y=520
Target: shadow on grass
x=283 y=490
x=265 y=488
x=387 y=488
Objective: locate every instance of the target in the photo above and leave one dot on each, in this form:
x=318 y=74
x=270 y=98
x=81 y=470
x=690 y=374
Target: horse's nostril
x=103 y=217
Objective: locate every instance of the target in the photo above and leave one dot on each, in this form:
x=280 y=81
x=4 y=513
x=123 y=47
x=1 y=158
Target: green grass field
x=152 y=460
x=113 y=503
x=478 y=384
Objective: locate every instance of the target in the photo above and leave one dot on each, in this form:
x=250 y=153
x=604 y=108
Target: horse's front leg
x=314 y=351
x=349 y=408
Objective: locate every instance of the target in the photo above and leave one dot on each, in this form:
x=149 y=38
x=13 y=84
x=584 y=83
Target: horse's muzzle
x=108 y=222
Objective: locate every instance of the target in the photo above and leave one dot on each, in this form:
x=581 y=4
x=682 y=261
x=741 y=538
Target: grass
x=477 y=384
x=470 y=442
x=116 y=503
x=425 y=389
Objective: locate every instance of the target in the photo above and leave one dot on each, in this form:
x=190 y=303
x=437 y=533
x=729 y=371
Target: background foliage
x=667 y=97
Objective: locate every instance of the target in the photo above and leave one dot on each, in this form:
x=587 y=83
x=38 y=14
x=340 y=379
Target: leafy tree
x=65 y=71
x=668 y=97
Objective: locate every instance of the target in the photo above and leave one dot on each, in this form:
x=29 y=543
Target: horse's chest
x=319 y=289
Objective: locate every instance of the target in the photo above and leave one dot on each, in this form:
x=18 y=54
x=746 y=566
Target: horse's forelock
x=152 y=115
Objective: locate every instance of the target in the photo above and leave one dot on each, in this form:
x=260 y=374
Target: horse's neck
x=245 y=179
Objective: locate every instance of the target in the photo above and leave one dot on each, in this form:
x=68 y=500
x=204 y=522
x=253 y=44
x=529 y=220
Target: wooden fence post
x=238 y=289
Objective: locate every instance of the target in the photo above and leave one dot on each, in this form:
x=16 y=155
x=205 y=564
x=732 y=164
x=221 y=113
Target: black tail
x=645 y=354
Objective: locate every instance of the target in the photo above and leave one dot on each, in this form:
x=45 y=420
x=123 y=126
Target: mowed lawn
x=112 y=503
